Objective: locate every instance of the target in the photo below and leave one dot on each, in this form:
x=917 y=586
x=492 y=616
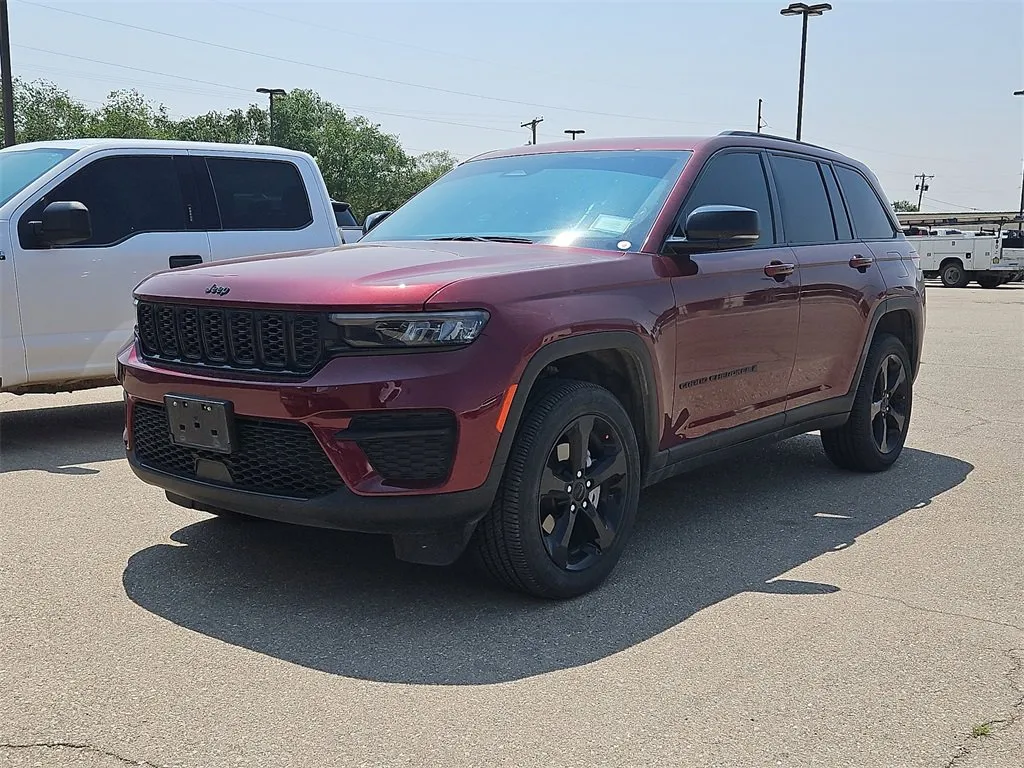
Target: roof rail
x=752 y=134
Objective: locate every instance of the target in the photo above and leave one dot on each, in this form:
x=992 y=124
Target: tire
x=954 y=275
x=856 y=445
x=517 y=542
x=990 y=282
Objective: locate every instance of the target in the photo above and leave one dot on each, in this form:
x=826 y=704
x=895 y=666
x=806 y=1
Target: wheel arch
x=617 y=360
x=901 y=317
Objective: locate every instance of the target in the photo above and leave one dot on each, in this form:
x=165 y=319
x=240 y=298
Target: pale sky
x=907 y=87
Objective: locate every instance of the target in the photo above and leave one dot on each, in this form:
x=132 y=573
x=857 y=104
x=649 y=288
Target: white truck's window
x=259 y=194
x=19 y=168
x=125 y=196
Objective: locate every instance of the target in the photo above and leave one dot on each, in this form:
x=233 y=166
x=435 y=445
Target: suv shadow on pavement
x=58 y=440
x=339 y=603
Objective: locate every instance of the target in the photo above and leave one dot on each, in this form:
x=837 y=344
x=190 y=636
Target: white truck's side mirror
x=63 y=223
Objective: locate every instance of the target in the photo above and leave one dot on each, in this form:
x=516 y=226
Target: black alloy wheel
x=889 y=404
x=581 y=493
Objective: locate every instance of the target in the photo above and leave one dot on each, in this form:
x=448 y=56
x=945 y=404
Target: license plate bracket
x=200 y=423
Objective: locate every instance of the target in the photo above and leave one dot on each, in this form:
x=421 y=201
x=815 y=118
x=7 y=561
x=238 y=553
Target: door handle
x=779 y=271
x=185 y=260
x=861 y=263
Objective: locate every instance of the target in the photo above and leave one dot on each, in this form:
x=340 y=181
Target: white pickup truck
x=83 y=222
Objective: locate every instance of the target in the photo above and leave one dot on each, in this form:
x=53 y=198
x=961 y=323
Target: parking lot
x=773 y=611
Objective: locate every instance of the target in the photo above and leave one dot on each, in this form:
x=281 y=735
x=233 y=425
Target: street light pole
x=802 y=9
x=271 y=93
x=1020 y=213
x=573 y=131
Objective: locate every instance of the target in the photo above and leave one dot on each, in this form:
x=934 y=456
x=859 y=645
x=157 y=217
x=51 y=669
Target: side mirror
x=373 y=219
x=63 y=223
x=717 y=228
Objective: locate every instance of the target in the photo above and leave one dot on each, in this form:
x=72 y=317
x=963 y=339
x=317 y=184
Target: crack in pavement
x=936 y=611
x=69 y=745
x=1014 y=676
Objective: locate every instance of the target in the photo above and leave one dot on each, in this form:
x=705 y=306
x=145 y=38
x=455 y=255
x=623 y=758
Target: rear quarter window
x=259 y=194
x=870 y=220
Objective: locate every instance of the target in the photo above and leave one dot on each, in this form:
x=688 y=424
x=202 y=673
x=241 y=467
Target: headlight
x=410 y=331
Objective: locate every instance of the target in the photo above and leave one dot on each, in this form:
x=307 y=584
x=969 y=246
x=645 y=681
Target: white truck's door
x=266 y=204
x=76 y=300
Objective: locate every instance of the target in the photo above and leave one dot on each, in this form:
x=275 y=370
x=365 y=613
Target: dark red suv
x=501 y=364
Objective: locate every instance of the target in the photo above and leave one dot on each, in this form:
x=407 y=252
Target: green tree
x=426 y=169
x=904 y=206
x=360 y=163
x=128 y=115
x=45 y=112
x=238 y=126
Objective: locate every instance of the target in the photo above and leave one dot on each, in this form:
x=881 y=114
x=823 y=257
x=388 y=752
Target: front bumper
x=340 y=510
x=467 y=383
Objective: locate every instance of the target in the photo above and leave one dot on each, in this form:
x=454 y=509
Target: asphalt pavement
x=772 y=611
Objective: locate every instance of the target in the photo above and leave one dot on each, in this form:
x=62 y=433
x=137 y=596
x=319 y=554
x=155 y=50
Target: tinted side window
x=259 y=194
x=842 y=220
x=344 y=217
x=869 y=217
x=806 y=214
x=734 y=178
x=125 y=196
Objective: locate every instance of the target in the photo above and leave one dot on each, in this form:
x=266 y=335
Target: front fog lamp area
x=411 y=331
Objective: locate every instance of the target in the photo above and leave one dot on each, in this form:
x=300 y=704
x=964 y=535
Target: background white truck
x=958 y=257
x=83 y=222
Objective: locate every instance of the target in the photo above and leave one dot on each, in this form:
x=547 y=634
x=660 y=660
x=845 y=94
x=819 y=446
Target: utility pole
x=802 y=9
x=921 y=187
x=271 y=93
x=8 y=80
x=1020 y=215
x=532 y=125
x=760 y=122
x=573 y=131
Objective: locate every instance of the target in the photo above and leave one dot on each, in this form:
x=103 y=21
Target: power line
x=350 y=73
x=133 y=69
x=354 y=107
x=955 y=205
x=240 y=89
x=383 y=79
x=395 y=43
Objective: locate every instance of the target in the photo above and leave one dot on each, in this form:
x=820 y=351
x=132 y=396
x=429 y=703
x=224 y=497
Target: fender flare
x=885 y=307
x=621 y=341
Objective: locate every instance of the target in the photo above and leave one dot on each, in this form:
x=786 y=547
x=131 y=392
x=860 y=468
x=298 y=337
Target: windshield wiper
x=486 y=238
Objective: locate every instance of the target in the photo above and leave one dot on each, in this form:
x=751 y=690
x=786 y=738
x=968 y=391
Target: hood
x=384 y=275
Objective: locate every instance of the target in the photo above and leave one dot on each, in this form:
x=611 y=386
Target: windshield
x=19 y=168
x=591 y=199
